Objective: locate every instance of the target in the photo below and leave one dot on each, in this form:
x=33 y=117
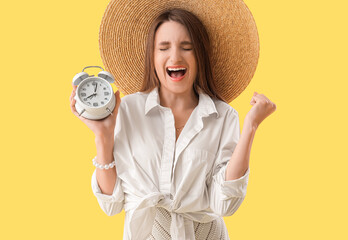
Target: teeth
x=176 y=69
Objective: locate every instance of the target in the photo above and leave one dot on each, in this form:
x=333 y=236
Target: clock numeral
x=88 y=103
x=104 y=88
x=85 y=99
x=87 y=85
x=105 y=98
x=83 y=89
x=95 y=104
x=106 y=93
x=102 y=102
x=83 y=94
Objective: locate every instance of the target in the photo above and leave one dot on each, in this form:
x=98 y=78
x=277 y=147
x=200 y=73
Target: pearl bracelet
x=106 y=166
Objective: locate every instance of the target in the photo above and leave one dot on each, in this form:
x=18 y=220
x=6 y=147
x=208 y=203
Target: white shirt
x=186 y=177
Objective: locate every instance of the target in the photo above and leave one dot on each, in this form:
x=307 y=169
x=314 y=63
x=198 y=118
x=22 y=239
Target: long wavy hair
x=201 y=45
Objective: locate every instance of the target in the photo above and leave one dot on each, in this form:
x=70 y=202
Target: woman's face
x=174 y=58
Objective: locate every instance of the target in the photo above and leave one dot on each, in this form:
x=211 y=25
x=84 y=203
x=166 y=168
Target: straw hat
x=229 y=23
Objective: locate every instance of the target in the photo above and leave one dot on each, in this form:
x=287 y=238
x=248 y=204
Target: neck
x=178 y=101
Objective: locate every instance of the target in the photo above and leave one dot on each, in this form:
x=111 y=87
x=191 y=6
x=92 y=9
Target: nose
x=175 y=55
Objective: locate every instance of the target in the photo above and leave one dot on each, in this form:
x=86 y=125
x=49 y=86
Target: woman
x=173 y=141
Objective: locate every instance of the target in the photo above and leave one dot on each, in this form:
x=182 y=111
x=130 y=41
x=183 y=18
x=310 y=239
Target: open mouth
x=176 y=72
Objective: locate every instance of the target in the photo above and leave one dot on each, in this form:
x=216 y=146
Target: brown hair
x=201 y=46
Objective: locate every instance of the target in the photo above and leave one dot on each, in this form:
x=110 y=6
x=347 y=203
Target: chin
x=179 y=89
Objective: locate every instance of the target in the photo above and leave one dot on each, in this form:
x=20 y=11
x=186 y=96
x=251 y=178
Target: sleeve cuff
x=232 y=188
x=116 y=196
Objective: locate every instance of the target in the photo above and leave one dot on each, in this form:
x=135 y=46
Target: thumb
x=118 y=100
x=252 y=102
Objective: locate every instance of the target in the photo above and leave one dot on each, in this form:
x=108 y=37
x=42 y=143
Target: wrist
x=103 y=140
x=105 y=147
x=250 y=125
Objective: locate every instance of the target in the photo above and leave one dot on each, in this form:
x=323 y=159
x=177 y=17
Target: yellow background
x=297 y=187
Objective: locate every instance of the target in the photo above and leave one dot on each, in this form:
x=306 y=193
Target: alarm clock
x=95 y=98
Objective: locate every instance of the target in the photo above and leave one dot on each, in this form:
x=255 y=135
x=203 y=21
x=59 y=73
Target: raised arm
x=239 y=162
x=231 y=171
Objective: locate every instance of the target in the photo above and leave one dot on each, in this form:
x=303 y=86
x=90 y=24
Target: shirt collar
x=206 y=105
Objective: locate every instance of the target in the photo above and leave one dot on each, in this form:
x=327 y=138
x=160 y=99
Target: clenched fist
x=262 y=108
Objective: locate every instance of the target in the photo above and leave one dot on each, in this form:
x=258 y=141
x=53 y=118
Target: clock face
x=95 y=93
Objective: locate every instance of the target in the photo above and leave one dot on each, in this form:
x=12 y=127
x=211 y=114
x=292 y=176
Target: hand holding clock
x=101 y=128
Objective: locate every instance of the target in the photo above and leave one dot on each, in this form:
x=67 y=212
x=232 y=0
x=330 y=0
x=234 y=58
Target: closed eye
x=185 y=49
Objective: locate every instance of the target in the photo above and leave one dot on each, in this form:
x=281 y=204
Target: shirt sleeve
x=110 y=204
x=226 y=196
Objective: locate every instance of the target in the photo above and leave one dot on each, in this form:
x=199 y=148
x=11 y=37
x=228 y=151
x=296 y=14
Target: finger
x=118 y=96
x=72 y=95
x=260 y=98
x=73 y=109
x=265 y=99
x=255 y=93
x=118 y=101
x=273 y=106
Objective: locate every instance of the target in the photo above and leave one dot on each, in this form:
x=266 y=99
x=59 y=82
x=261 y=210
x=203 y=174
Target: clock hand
x=91 y=95
x=96 y=85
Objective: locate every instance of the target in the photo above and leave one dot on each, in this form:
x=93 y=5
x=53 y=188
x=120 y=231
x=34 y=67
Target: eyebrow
x=165 y=43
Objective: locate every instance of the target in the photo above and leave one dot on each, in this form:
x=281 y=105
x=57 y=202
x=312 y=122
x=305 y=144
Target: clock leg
x=107 y=109
x=82 y=112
